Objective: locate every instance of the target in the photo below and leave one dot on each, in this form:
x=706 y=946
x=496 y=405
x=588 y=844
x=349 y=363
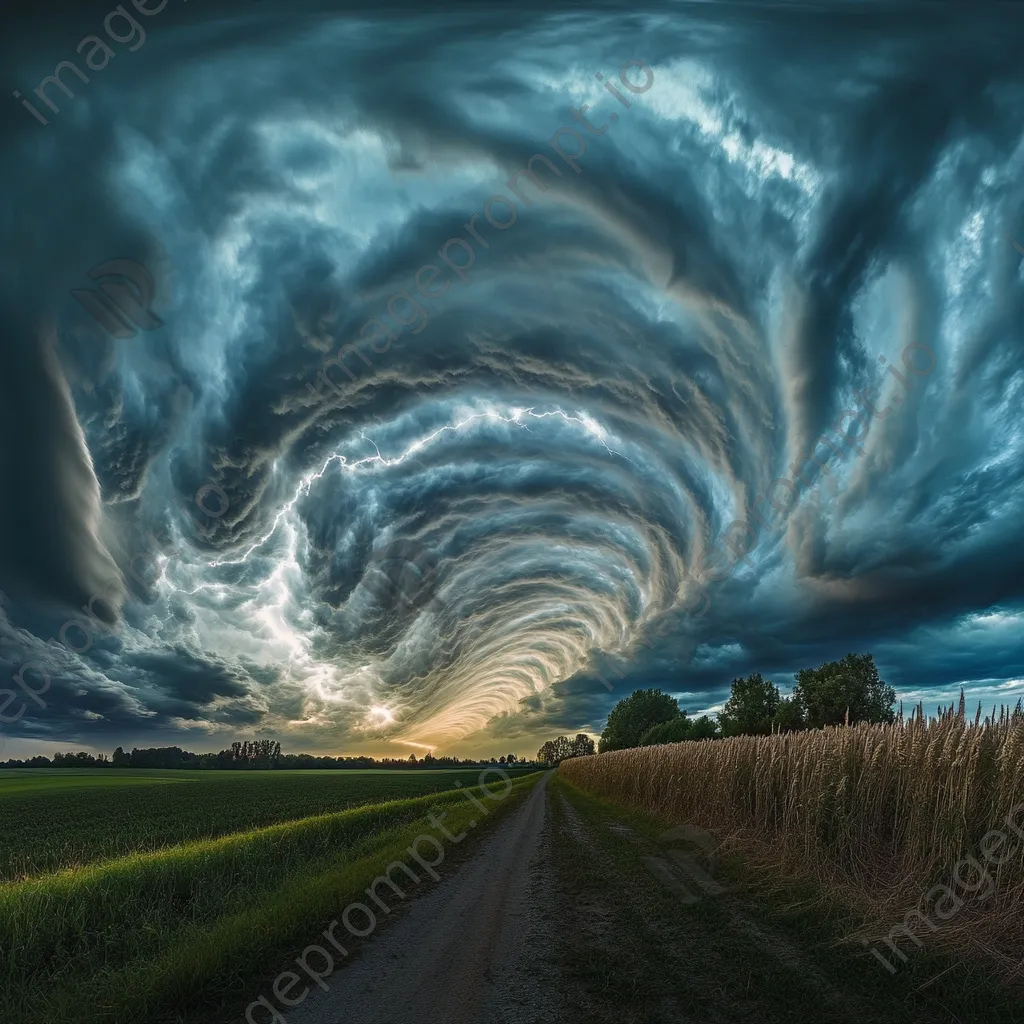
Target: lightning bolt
x=582 y=419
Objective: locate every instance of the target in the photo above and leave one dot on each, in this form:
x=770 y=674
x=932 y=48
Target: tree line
x=842 y=692
x=247 y=754
x=835 y=693
x=557 y=750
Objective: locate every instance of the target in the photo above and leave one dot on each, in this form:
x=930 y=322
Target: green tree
x=557 y=750
x=674 y=731
x=634 y=715
x=850 y=687
x=751 y=707
x=704 y=728
x=582 y=746
x=789 y=716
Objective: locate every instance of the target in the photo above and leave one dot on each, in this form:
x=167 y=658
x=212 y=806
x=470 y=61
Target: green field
x=59 y=818
x=180 y=891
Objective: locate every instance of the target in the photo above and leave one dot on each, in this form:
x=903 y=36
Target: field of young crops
x=56 y=819
x=185 y=893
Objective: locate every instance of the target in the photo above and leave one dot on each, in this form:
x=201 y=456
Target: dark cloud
x=565 y=439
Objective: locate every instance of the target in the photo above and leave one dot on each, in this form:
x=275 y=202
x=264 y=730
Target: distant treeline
x=557 y=750
x=255 y=754
x=841 y=692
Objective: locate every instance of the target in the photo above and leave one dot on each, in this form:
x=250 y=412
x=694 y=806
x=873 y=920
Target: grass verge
x=188 y=934
x=765 y=950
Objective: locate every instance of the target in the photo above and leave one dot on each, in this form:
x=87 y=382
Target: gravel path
x=470 y=951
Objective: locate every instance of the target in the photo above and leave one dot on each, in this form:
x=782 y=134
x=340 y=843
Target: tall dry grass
x=876 y=814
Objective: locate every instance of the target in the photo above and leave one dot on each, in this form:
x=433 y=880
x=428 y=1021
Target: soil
x=470 y=951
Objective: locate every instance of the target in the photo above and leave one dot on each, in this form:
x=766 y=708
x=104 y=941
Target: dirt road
x=471 y=951
x=568 y=911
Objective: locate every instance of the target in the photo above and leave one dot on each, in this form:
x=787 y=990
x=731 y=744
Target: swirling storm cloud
x=727 y=379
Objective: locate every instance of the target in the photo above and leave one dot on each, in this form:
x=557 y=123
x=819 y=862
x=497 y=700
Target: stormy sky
x=728 y=379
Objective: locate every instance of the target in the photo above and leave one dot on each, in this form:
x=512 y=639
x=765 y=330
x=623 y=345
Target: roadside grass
x=187 y=933
x=768 y=949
